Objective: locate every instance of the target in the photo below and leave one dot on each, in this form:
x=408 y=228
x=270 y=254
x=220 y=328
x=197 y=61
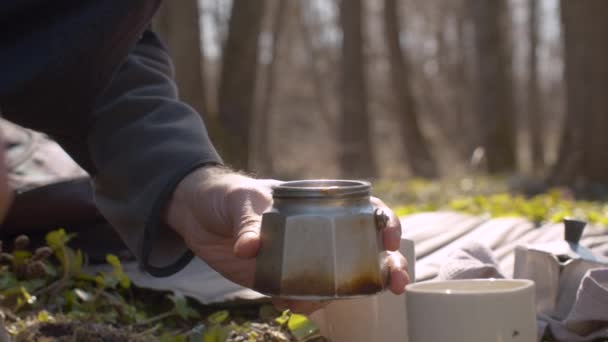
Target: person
x=94 y=77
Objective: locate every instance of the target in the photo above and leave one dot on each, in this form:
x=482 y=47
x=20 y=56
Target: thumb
x=247 y=204
x=248 y=239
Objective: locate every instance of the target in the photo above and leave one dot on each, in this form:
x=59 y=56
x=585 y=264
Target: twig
x=147 y=331
x=55 y=286
x=156 y=318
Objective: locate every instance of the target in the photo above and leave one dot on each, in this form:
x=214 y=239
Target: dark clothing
x=89 y=75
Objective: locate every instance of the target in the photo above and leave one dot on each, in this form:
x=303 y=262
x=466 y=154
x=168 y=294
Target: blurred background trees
x=393 y=89
x=415 y=147
x=356 y=156
x=495 y=103
x=584 y=142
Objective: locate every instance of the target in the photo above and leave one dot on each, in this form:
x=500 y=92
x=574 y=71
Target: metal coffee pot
x=321 y=240
x=557 y=268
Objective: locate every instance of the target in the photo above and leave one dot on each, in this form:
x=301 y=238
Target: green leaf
x=216 y=333
x=181 y=306
x=301 y=327
x=284 y=318
x=7 y=280
x=268 y=312
x=50 y=269
x=44 y=316
x=58 y=238
x=34 y=284
x=124 y=280
x=100 y=280
x=21 y=257
x=27 y=296
x=179 y=338
x=105 y=280
x=118 y=272
x=166 y=337
x=114 y=261
x=218 y=317
x=71 y=299
x=77 y=260
x=24 y=298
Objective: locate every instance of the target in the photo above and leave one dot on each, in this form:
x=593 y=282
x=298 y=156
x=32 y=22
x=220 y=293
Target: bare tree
x=584 y=141
x=261 y=153
x=495 y=102
x=238 y=79
x=356 y=158
x=534 y=106
x=457 y=70
x=178 y=25
x=320 y=87
x=415 y=145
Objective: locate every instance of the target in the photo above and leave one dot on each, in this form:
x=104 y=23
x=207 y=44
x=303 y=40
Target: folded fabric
x=472 y=261
x=587 y=320
x=197 y=280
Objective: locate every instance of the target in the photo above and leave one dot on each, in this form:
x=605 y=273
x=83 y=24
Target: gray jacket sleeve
x=142 y=141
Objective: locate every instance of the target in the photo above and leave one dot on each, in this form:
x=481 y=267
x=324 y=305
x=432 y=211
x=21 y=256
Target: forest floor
x=45 y=295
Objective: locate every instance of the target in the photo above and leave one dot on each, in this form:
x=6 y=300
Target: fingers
x=397 y=269
x=391 y=235
x=299 y=306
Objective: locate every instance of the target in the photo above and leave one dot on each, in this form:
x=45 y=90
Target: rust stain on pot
x=323 y=286
x=362 y=285
x=308 y=285
x=266 y=286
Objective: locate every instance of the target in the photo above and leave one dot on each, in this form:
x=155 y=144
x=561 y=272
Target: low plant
x=47 y=291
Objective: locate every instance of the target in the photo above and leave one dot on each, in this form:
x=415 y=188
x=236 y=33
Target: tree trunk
x=584 y=143
x=261 y=152
x=238 y=80
x=177 y=23
x=319 y=85
x=495 y=103
x=416 y=147
x=461 y=76
x=535 y=114
x=356 y=159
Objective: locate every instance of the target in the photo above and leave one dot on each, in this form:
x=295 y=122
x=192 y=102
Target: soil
x=268 y=333
x=76 y=332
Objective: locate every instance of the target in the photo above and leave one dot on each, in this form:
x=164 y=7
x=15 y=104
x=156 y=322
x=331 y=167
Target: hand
x=218 y=213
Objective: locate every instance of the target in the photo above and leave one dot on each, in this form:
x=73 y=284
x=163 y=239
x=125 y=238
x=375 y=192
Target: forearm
x=143 y=142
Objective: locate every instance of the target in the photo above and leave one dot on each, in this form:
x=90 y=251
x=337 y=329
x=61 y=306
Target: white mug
x=475 y=310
